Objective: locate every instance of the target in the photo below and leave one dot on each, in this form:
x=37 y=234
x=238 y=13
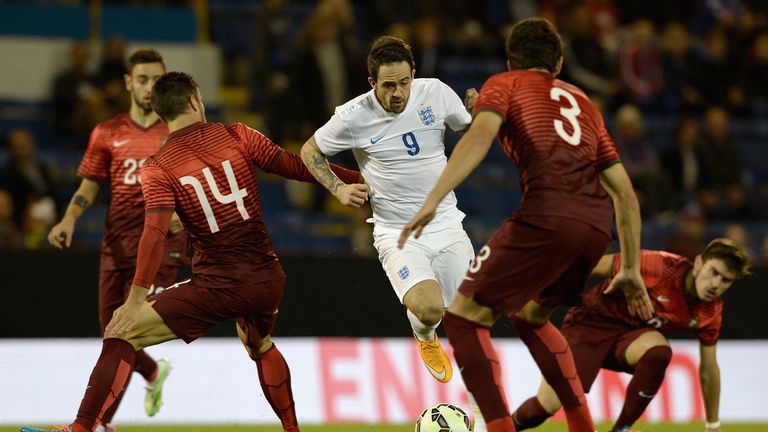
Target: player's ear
x=372 y=82
x=509 y=65
x=559 y=66
x=127 y=78
x=697 y=262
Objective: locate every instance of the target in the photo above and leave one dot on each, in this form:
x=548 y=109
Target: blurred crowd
x=697 y=67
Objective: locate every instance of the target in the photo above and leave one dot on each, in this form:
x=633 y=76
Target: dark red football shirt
x=558 y=140
x=664 y=275
x=207 y=174
x=116 y=150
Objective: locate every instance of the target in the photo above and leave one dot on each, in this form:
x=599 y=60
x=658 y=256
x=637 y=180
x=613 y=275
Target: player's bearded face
x=712 y=278
x=393 y=87
x=140 y=82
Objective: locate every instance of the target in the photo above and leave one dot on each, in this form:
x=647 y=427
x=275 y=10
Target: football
x=444 y=417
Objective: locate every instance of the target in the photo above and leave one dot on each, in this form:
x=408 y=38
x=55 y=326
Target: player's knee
x=534 y=314
x=428 y=314
x=657 y=357
x=263 y=346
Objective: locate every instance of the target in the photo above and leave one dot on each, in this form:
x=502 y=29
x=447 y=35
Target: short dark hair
x=388 y=49
x=732 y=255
x=171 y=93
x=534 y=43
x=144 y=55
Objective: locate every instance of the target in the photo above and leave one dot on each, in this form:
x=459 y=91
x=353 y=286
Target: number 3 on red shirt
x=570 y=114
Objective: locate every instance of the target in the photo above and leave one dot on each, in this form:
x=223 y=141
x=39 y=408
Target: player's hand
x=352 y=195
x=632 y=285
x=470 y=99
x=416 y=225
x=123 y=319
x=176 y=226
x=61 y=234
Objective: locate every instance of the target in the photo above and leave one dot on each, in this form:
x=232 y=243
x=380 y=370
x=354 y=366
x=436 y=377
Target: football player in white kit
x=395 y=132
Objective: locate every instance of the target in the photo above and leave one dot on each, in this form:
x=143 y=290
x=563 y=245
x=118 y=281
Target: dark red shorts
x=114 y=286
x=547 y=259
x=189 y=309
x=598 y=343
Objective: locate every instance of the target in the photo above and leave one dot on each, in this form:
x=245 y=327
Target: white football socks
x=422 y=331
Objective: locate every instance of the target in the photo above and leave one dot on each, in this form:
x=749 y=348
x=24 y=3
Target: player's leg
x=116 y=362
x=537 y=409
x=156 y=372
x=274 y=374
x=454 y=253
x=114 y=286
x=410 y=272
x=648 y=355
x=468 y=325
x=424 y=308
x=591 y=341
x=552 y=354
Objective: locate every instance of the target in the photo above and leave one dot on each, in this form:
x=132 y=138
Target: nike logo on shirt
x=377 y=139
x=119 y=143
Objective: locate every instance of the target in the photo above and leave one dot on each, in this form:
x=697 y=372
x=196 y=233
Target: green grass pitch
x=553 y=427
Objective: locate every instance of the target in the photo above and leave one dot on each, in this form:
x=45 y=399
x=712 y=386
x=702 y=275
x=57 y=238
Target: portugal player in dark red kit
x=543 y=253
x=116 y=150
x=206 y=173
x=601 y=334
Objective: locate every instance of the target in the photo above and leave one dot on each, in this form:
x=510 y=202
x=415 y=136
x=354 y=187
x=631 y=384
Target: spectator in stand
x=640 y=64
x=111 y=98
x=112 y=66
x=605 y=22
x=715 y=78
x=726 y=194
x=586 y=62
x=400 y=29
x=471 y=40
x=755 y=76
x=70 y=88
x=10 y=234
x=640 y=159
x=25 y=176
x=38 y=218
x=739 y=235
x=678 y=60
x=271 y=83
x=324 y=72
x=428 y=48
x=689 y=235
x=683 y=164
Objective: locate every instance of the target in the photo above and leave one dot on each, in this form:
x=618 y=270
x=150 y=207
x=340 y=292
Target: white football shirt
x=401 y=155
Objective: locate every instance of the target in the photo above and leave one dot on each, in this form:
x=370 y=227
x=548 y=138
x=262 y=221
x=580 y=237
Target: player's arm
x=352 y=195
x=604 y=267
x=60 y=235
x=616 y=181
x=709 y=376
x=467 y=155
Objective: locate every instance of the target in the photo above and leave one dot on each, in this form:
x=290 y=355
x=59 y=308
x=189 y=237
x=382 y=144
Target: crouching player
x=685 y=296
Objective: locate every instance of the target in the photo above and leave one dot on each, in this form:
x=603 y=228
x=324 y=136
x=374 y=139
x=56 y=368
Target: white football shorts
x=443 y=256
